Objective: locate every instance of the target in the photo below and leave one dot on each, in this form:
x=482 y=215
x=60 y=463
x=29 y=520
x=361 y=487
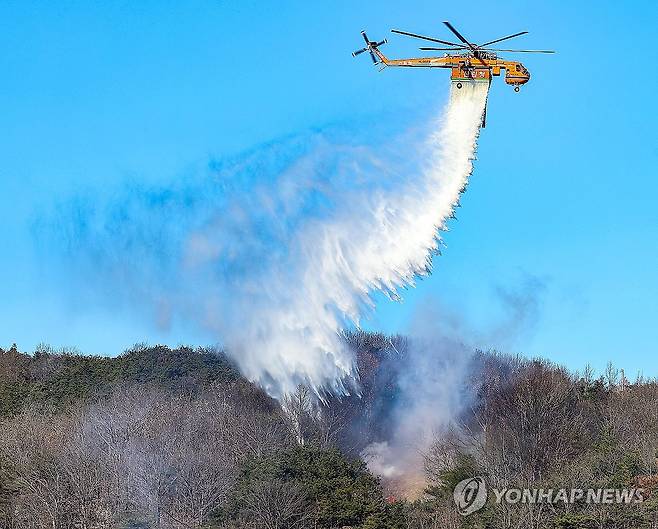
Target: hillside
x=174 y=438
x=61 y=378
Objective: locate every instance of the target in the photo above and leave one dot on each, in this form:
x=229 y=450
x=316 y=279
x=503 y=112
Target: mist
x=427 y=382
x=431 y=393
x=277 y=251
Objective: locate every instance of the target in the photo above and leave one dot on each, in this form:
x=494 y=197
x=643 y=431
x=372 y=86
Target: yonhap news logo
x=471 y=495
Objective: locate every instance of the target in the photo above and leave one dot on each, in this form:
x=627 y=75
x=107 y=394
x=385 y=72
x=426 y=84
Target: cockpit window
x=518 y=67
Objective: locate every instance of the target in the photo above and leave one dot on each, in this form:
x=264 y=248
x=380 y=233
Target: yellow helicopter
x=467 y=61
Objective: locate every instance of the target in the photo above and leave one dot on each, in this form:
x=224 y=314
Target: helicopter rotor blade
x=503 y=38
x=459 y=35
x=370 y=47
x=520 y=51
x=473 y=48
x=443 y=49
x=416 y=36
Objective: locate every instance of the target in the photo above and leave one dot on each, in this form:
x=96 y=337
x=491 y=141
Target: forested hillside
x=162 y=438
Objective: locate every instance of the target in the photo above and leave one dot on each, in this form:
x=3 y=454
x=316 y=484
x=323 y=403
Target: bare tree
x=298 y=408
x=143 y=454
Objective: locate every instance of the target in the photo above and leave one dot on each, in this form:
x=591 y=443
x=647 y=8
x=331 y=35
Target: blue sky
x=563 y=194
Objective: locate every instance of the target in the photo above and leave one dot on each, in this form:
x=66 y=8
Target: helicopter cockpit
x=521 y=69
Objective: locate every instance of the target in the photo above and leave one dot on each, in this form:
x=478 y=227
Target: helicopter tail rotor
x=370 y=47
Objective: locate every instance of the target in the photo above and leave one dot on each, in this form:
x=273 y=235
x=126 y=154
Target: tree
x=339 y=491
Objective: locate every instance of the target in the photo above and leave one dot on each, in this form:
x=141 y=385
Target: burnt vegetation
x=176 y=438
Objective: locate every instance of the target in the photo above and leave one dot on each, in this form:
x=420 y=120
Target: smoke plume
x=432 y=395
x=278 y=250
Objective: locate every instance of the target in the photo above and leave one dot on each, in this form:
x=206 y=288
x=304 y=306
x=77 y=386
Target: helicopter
x=468 y=62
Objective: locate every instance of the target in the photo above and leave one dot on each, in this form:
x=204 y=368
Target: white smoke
x=276 y=265
x=432 y=391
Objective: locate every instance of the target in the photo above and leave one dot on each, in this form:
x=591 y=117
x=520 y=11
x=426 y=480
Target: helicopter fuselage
x=466 y=67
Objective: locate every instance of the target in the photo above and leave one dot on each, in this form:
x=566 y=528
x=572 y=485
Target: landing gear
x=459 y=85
x=517 y=89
